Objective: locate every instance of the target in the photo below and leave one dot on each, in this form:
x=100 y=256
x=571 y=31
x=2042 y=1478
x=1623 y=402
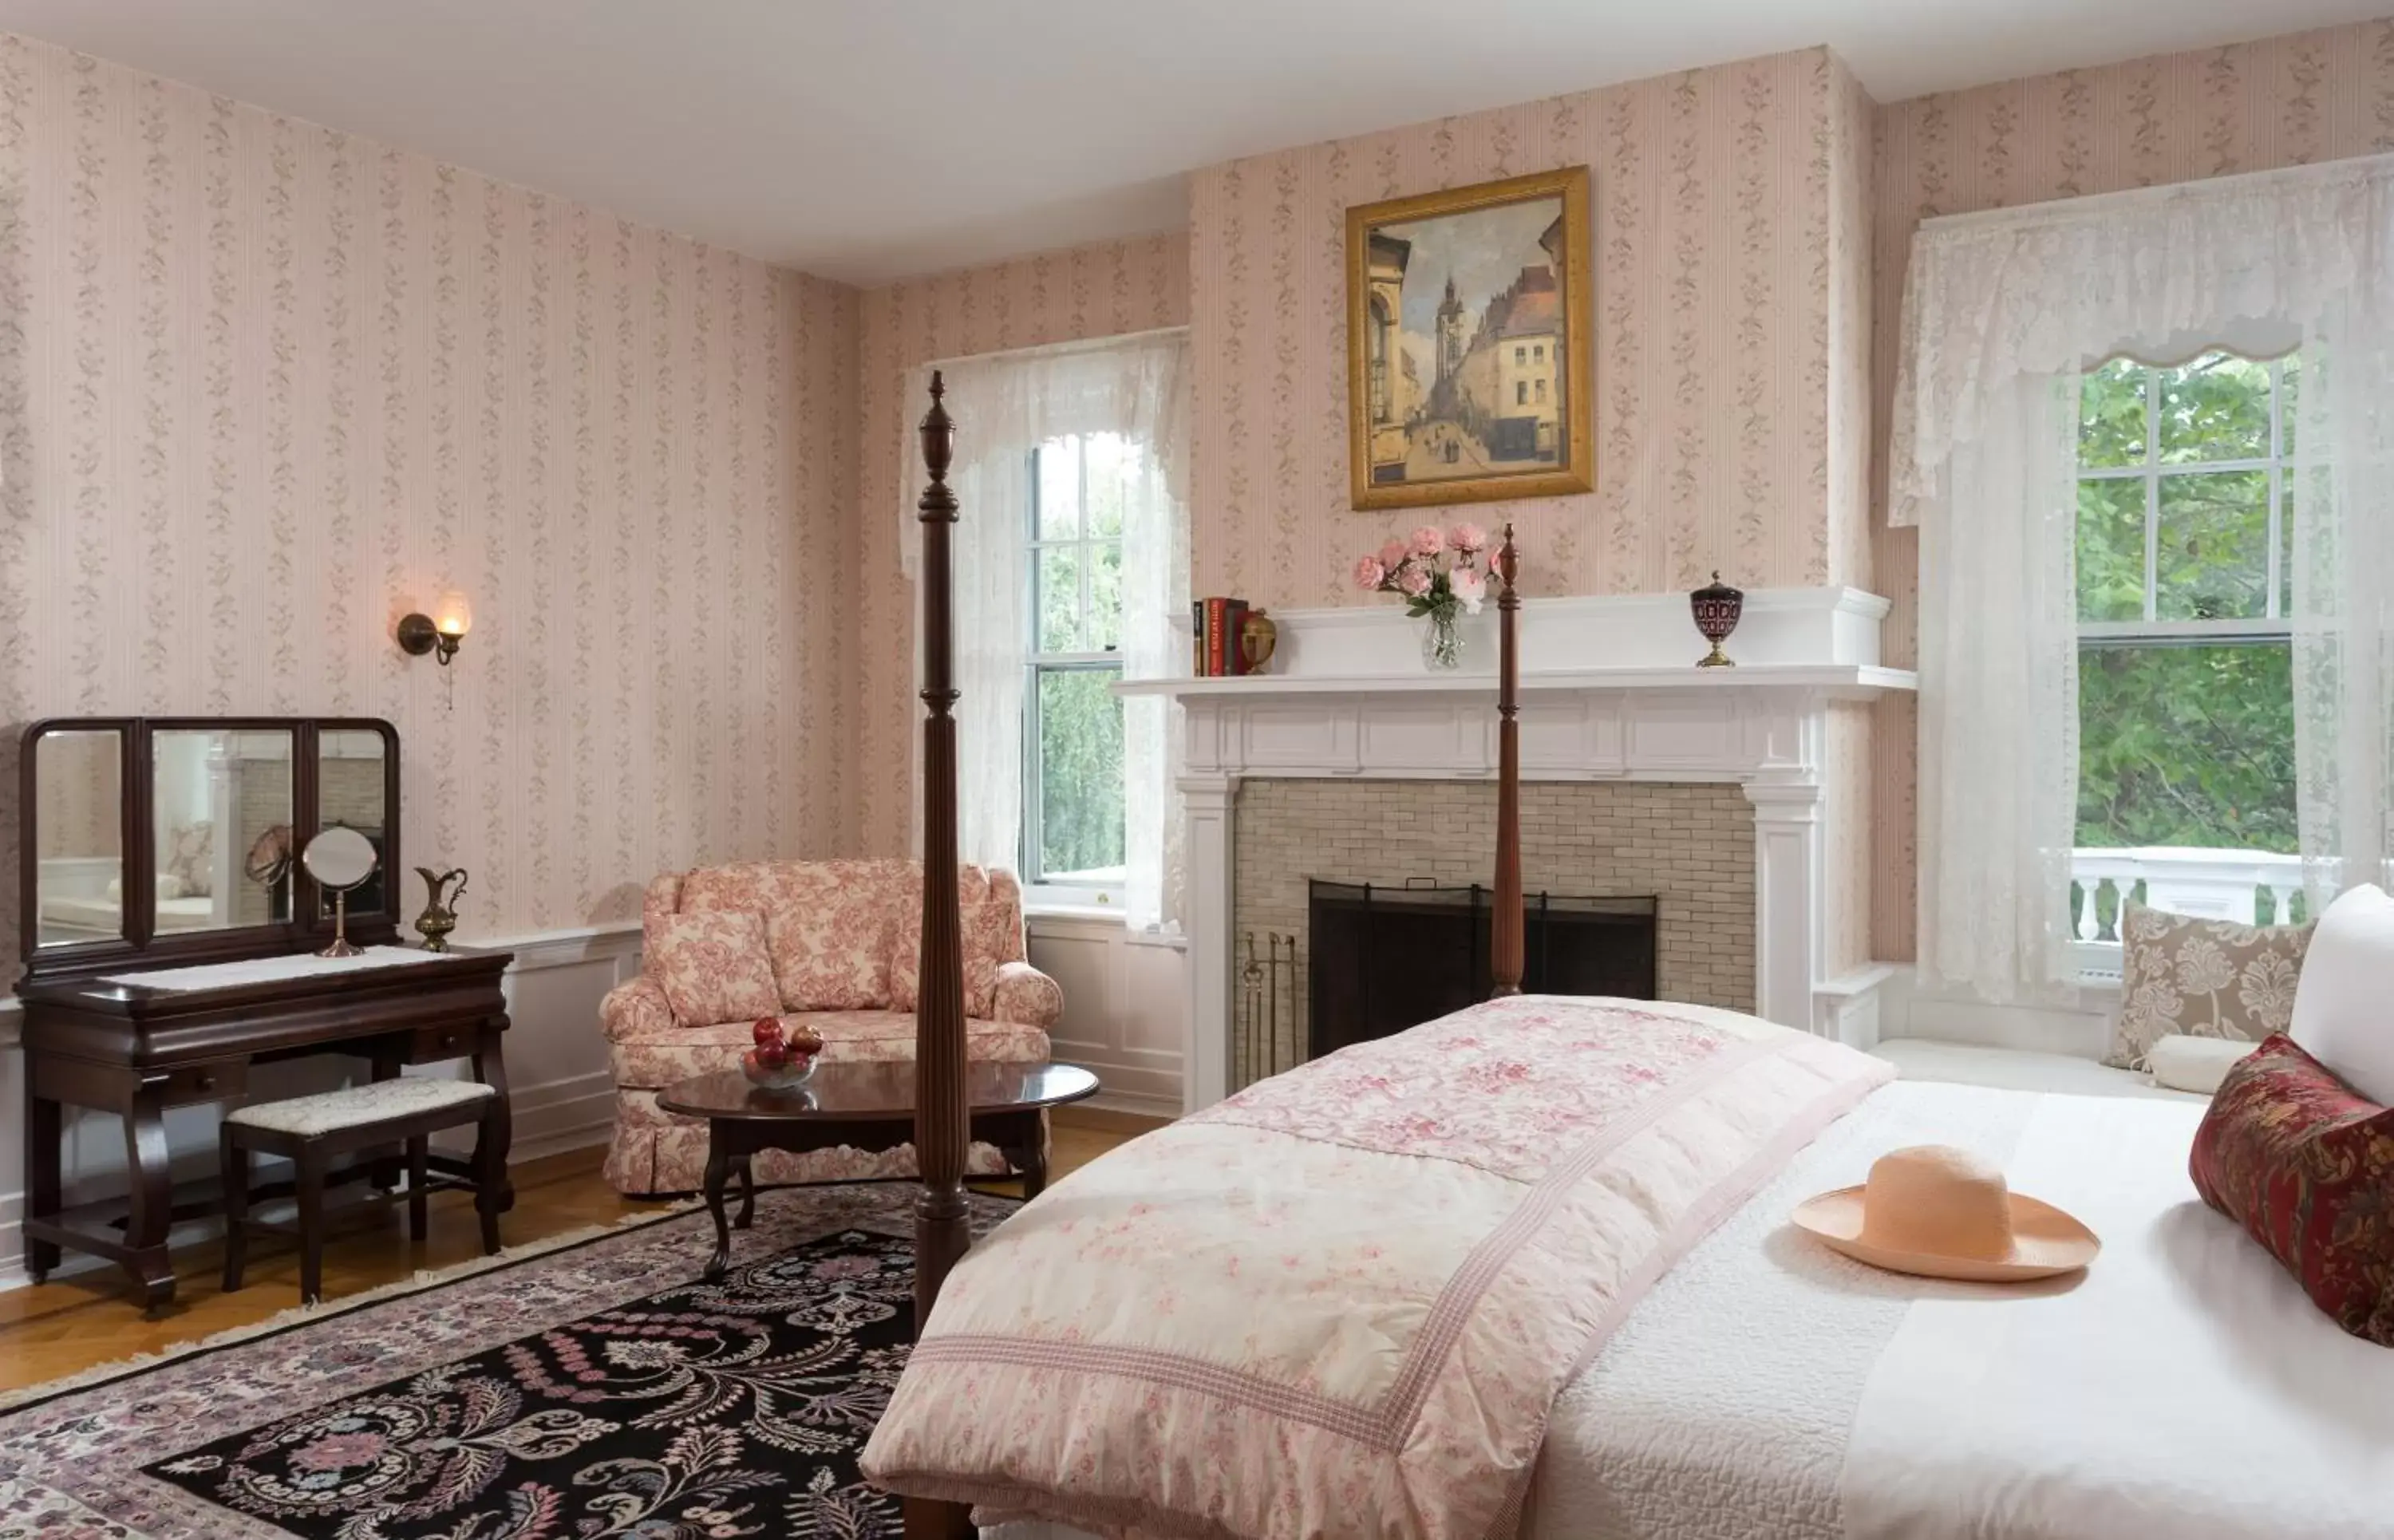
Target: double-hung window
x=1073 y=831
x=2186 y=782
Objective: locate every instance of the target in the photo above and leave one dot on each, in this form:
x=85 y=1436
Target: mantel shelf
x=1844 y=681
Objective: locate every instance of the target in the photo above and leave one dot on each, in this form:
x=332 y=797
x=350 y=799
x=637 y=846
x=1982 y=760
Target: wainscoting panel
x=1125 y=1008
x=556 y=1071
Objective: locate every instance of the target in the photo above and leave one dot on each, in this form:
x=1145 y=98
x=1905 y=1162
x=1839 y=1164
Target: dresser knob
x=207 y=1083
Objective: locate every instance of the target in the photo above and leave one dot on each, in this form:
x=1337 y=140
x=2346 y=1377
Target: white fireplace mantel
x=1609 y=692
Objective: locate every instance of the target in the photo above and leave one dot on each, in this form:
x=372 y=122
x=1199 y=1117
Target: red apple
x=767 y=1031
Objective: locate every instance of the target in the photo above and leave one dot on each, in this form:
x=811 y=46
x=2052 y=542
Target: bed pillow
x=2199 y=978
x=713 y=966
x=2304 y=1163
x=2196 y=1064
x=2344 y=1010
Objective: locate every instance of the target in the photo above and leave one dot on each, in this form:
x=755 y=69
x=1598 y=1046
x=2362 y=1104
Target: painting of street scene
x=1470 y=329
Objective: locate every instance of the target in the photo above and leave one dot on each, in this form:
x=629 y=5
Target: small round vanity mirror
x=339 y=859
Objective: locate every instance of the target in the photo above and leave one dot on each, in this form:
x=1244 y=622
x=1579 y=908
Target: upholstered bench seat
x=355 y=1105
x=370 y=1120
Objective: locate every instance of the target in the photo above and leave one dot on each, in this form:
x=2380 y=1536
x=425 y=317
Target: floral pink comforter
x=1343 y=1302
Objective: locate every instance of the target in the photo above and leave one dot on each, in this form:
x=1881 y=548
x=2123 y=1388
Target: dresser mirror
x=216 y=797
x=74 y=821
x=175 y=839
x=350 y=772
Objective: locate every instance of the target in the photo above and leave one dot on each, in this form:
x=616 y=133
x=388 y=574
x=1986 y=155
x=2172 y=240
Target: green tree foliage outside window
x=2186 y=704
x=1074 y=762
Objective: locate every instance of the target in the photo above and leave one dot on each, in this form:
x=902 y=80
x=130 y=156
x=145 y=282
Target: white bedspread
x=1768 y=1388
x=2184 y=1387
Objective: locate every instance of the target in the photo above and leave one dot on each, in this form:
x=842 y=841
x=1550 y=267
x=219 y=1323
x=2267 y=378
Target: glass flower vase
x=1441 y=641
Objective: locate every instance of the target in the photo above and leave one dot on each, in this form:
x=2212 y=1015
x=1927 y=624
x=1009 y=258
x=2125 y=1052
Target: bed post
x=1504 y=922
x=942 y=1223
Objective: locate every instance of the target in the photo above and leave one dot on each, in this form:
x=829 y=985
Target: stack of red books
x=1218 y=625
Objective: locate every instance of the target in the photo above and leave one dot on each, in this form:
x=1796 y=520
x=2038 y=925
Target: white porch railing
x=2221 y=885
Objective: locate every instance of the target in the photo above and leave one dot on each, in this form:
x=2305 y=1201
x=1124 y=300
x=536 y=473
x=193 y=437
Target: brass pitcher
x=439 y=915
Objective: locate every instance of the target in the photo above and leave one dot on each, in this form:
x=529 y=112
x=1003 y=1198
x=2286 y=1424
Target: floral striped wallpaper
x=2282 y=101
x=265 y=387
x=1724 y=203
x=1105 y=289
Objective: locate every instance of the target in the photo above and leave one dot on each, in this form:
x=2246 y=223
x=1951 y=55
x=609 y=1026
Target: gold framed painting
x=1469 y=362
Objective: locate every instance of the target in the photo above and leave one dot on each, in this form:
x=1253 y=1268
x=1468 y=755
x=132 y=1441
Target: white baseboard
x=1137 y=1104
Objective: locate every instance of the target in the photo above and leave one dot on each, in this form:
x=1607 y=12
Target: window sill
x=1035 y=908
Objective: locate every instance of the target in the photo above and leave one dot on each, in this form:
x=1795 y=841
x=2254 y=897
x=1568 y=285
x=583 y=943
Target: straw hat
x=1945 y=1213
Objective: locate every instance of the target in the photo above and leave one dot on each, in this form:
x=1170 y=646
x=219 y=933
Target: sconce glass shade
x=453 y=617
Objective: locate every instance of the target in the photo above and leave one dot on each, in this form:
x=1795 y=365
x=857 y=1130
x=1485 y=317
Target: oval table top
x=873 y=1091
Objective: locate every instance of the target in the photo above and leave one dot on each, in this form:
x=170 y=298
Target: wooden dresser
x=136 y=1051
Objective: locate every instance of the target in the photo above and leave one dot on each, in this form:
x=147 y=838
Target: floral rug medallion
x=601 y=1390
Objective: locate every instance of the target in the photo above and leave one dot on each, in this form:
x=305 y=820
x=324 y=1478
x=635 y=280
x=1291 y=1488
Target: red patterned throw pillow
x=2308 y=1166
x=713 y=965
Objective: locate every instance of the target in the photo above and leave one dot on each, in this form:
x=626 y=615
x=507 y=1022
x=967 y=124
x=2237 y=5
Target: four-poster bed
x=1524 y=1270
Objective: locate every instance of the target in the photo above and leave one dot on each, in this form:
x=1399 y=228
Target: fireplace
x=1385 y=958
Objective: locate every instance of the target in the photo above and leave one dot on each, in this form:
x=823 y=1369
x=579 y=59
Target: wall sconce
x=440 y=632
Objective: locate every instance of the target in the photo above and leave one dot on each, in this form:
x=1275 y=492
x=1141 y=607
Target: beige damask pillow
x=2202 y=979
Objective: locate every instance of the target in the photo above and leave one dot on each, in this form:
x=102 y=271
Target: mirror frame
x=139 y=946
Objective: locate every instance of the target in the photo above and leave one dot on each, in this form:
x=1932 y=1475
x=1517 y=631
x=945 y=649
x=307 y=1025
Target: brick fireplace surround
x=1708 y=789
x=1689 y=847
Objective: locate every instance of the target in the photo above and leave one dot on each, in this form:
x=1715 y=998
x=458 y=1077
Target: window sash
x=2152 y=472
x=1034 y=799
x=1036 y=661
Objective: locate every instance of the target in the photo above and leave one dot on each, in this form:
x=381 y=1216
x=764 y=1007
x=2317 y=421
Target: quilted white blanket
x=1344 y=1301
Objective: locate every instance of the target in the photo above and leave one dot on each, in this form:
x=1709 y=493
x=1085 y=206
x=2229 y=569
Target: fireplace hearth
x=1385 y=958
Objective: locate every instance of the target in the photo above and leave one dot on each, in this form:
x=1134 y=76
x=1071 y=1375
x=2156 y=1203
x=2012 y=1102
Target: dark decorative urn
x=1717 y=607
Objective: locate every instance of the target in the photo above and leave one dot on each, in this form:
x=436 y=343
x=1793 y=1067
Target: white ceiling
x=871 y=139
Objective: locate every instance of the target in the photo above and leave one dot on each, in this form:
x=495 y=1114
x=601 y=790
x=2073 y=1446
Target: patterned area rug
x=604 y=1389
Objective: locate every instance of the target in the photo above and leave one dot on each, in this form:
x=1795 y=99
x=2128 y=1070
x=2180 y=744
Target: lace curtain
x=2000 y=313
x=1005 y=406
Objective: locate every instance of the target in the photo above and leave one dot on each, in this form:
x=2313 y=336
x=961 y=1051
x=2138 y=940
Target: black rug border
x=611 y=1232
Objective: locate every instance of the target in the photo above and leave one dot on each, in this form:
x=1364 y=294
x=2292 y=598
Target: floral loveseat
x=832 y=942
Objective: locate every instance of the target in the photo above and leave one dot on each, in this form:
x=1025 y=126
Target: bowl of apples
x=781 y=1058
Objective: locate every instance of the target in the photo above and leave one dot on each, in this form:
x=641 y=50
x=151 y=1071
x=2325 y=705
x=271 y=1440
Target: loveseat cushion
x=983 y=940
x=828 y=924
x=713 y=966
x=657 y=1058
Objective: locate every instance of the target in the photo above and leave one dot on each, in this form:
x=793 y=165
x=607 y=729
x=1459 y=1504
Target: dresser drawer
x=429 y=1045
x=218 y=1081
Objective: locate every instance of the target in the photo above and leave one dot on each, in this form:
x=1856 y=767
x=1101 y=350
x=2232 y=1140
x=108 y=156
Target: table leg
x=491 y=1069
x=1017 y=1137
x=43 y=1128
x=151 y=1189
x=382 y=1165
x=718 y=1172
x=747 y=1192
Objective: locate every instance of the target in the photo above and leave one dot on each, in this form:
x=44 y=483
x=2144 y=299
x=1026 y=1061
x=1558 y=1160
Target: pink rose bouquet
x=1439 y=574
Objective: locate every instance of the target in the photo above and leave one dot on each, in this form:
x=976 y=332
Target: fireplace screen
x=1388 y=958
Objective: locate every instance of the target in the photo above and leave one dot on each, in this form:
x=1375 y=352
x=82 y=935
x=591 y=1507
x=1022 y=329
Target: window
x=1521 y=392
x=1542 y=392
x=2185 y=684
x=1520 y=355
x=1072 y=835
x=1542 y=352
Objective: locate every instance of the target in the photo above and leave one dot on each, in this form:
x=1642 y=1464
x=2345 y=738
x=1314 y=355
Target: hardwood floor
x=70 y=1325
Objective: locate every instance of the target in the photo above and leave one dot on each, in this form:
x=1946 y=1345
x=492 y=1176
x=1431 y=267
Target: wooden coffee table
x=867 y=1107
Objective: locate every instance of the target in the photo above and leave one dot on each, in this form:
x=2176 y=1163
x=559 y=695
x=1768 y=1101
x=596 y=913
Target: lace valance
x=1994 y=297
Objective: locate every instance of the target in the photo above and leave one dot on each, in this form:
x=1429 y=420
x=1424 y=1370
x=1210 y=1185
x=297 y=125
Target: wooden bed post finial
x=1505 y=921
x=943 y=1138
